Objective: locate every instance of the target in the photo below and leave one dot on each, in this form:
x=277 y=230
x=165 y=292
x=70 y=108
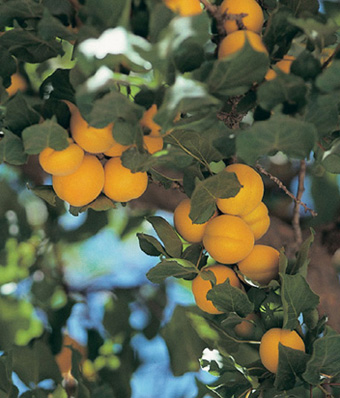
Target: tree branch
x=296 y=212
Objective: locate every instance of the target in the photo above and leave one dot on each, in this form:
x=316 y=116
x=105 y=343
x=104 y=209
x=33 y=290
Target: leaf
x=328 y=81
x=172 y=243
x=203 y=199
x=101 y=203
x=302 y=6
x=331 y=158
x=286 y=89
x=302 y=259
x=6 y=383
x=150 y=245
x=8 y=65
x=235 y=75
x=11 y=149
x=50 y=28
x=19 y=9
x=325 y=358
x=177 y=268
x=292 y=363
x=297 y=297
x=183 y=343
x=104 y=13
x=43 y=135
x=57 y=86
x=227 y=298
x=280 y=133
x=306 y=66
x=46 y=193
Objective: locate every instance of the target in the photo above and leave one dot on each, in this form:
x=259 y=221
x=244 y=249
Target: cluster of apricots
x=91 y=164
x=230 y=239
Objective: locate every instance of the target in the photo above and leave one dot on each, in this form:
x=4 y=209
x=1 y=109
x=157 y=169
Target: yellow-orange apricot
x=184 y=8
x=18 y=83
x=258 y=220
x=121 y=184
x=200 y=286
x=235 y=41
x=153 y=143
x=228 y=239
x=252 y=21
x=84 y=185
x=62 y=162
x=261 y=265
x=116 y=150
x=246 y=327
x=64 y=358
x=284 y=65
x=269 y=347
x=148 y=122
x=91 y=139
x=250 y=194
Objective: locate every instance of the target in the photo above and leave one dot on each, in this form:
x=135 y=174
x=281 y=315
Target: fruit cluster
x=91 y=164
x=229 y=237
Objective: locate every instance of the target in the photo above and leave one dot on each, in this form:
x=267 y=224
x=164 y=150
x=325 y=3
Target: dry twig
x=296 y=212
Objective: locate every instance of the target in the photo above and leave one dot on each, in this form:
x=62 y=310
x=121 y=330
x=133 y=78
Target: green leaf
x=177 y=268
x=150 y=245
x=292 y=363
x=306 y=66
x=325 y=358
x=227 y=298
x=43 y=135
x=57 y=86
x=328 y=81
x=59 y=392
x=331 y=158
x=203 y=199
x=172 y=242
x=103 y=13
x=127 y=132
x=50 y=28
x=183 y=343
x=302 y=6
x=235 y=74
x=6 y=383
x=303 y=259
x=286 y=89
x=19 y=9
x=160 y=18
x=297 y=298
x=280 y=133
x=101 y=203
x=11 y=149
x=8 y=65
x=46 y=193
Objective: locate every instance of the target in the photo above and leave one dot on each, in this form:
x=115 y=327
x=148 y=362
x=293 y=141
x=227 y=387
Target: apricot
x=64 y=358
x=228 y=239
x=258 y=220
x=284 y=65
x=261 y=265
x=246 y=327
x=254 y=19
x=269 y=347
x=91 y=139
x=148 y=122
x=121 y=184
x=82 y=186
x=184 y=8
x=116 y=150
x=62 y=162
x=236 y=40
x=18 y=83
x=200 y=286
x=152 y=143
x=189 y=231
x=250 y=194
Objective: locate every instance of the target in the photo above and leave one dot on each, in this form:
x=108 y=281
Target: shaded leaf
x=150 y=245
x=302 y=6
x=328 y=81
x=46 y=193
x=57 y=86
x=101 y=203
x=19 y=9
x=177 y=268
x=303 y=259
x=331 y=158
x=11 y=149
x=50 y=28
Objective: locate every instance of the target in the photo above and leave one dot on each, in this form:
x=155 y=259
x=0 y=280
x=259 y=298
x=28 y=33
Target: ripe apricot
x=82 y=186
x=91 y=139
x=250 y=194
x=18 y=83
x=261 y=265
x=245 y=328
x=189 y=231
x=236 y=40
x=116 y=150
x=252 y=21
x=61 y=163
x=200 y=286
x=228 y=239
x=184 y=8
x=258 y=220
x=148 y=122
x=269 y=347
x=284 y=65
x=121 y=184
x=64 y=358
x=153 y=143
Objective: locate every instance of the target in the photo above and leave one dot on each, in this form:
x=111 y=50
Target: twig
x=215 y=13
x=329 y=60
x=285 y=189
x=296 y=212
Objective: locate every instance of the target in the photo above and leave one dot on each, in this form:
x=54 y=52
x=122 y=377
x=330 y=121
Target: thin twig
x=329 y=60
x=215 y=13
x=296 y=212
x=280 y=184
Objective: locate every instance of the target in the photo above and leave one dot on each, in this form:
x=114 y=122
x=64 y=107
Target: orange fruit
x=200 y=286
x=235 y=41
x=117 y=149
x=261 y=265
x=250 y=194
x=228 y=239
x=253 y=21
x=245 y=328
x=258 y=220
x=64 y=358
x=18 y=83
x=84 y=185
x=269 y=347
x=121 y=184
x=284 y=65
x=91 y=139
x=148 y=123
x=184 y=8
x=153 y=143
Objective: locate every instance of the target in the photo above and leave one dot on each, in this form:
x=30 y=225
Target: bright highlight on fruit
x=228 y=239
x=185 y=8
x=269 y=347
x=250 y=194
x=200 y=286
x=258 y=220
x=253 y=21
x=84 y=185
x=121 y=185
x=261 y=265
x=236 y=40
x=61 y=163
x=91 y=139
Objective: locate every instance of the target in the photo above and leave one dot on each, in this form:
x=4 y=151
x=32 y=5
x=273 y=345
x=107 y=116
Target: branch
x=215 y=13
x=285 y=189
x=329 y=60
x=296 y=213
